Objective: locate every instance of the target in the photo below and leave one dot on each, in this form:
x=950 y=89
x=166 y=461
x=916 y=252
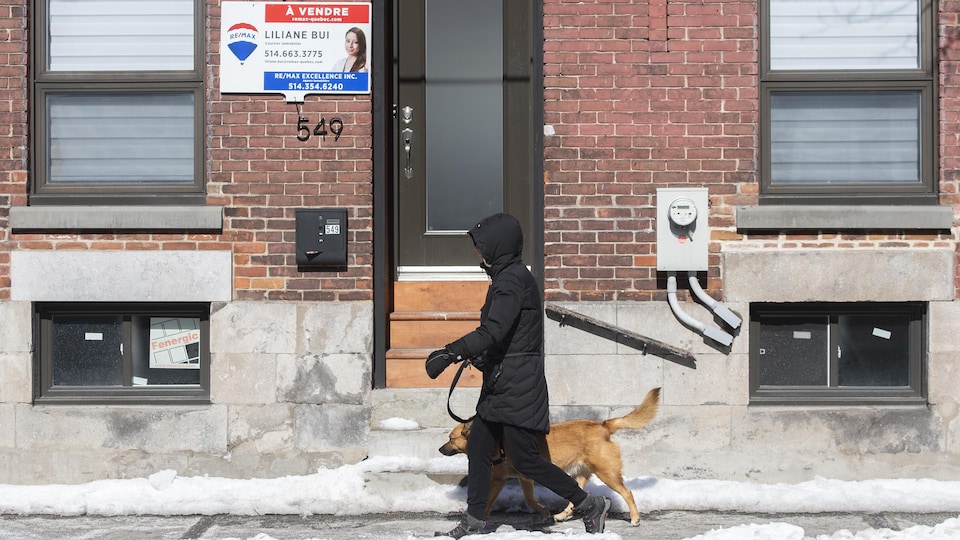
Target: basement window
x=837 y=353
x=103 y=353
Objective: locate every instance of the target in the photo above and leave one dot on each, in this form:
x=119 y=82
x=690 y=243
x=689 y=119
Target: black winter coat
x=510 y=335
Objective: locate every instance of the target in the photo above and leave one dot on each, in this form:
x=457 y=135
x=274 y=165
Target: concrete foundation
x=290 y=392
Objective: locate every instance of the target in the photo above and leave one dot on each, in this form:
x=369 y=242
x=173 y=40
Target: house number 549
x=303 y=128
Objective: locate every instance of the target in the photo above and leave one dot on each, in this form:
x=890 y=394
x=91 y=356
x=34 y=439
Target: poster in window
x=174 y=343
x=295 y=48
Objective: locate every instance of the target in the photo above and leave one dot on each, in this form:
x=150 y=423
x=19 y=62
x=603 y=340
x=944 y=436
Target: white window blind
x=121 y=138
x=121 y=35
x=845 y=137
x=844 y=34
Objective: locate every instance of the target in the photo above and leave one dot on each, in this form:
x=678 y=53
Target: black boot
x=468 y=525
x=593 y=510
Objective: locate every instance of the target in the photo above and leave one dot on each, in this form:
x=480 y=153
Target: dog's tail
x=639 y=417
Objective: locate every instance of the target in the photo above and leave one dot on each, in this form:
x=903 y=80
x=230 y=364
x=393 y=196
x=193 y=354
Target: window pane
x=166 y=350
x=794 y=351
x=121 y=138
x=464 y=146
x=120 y=35
x=86 y=350
x=874 y=350
x=845 y=137
x=844 y=34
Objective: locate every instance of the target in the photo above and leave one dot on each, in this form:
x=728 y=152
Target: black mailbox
x=321 y=237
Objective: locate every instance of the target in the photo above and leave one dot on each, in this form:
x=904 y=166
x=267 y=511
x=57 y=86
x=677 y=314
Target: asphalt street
x=670 y=525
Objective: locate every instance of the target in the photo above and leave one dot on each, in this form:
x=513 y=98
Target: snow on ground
x=343 y=491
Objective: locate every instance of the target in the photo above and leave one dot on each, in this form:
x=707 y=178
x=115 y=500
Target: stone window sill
x=824 y=217
x=141 y=218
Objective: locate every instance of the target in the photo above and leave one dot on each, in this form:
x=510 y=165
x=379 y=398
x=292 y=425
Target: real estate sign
x=295 y=48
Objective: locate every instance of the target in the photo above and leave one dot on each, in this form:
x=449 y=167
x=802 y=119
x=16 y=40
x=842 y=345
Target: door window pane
x=845 y=137
x=844 y=34
x=121 y=138
x=121 y=35
x=464 y=146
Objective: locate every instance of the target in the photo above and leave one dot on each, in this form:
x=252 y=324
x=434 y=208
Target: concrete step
x=420 y=443
x=425 y=409
x=425 y=406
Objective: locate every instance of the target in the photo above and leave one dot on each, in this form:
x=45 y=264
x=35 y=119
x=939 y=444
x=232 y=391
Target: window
x=847 y=102
x=123 y=353
x=118 y=99
x=836 y=353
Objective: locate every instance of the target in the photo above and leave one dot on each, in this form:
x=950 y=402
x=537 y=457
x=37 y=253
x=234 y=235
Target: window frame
x=46 y=393
x=46 y=82
x=913 y=394
x=922 y=79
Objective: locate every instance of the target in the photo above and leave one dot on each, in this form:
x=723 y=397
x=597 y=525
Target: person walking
x=513 y=406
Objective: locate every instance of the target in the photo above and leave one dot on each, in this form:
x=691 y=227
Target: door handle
x=407 y=137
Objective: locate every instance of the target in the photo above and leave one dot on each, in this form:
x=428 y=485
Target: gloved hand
x=439 y=360
x=479 y=361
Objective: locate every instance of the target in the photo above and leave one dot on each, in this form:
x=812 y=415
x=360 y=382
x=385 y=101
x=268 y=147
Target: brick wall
x=13 y=123
x=262 y=173
x=257 y=170
x=664 y=93
x=640 y=95
x=949 y=67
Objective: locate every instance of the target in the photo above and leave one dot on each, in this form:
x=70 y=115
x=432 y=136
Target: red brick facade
x=638 y=95
x=13 y=119
x=257 y=170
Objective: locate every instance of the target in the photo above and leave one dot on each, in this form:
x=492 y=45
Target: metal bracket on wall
x=597 y=327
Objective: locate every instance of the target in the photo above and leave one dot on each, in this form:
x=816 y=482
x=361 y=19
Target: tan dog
x=579 y=447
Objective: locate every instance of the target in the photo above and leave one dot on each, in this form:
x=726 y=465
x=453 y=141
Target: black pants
x=483 y=446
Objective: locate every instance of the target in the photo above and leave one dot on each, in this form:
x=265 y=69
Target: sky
x=343 y=491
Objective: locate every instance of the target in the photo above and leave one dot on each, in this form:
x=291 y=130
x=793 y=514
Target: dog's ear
x=466 y=429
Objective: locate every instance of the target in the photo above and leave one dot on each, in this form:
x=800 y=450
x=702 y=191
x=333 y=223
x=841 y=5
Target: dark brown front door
x=463 y=124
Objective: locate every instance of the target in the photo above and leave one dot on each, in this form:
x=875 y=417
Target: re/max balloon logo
x=242 y=40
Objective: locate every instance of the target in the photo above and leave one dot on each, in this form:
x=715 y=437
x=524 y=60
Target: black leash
x=453 y=385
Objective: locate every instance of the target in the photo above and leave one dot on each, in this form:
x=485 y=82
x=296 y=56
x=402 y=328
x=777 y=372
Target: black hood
x=499 y=238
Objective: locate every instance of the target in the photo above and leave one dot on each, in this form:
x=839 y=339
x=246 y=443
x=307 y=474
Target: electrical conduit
x=718 y=307
x=707 y=330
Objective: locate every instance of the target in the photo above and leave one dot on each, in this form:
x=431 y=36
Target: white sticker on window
x=797 y=334
x=93 y=336
x=881 y=333
x=139 y=381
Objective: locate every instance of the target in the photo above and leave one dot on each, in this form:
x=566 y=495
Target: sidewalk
x=670 y=525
